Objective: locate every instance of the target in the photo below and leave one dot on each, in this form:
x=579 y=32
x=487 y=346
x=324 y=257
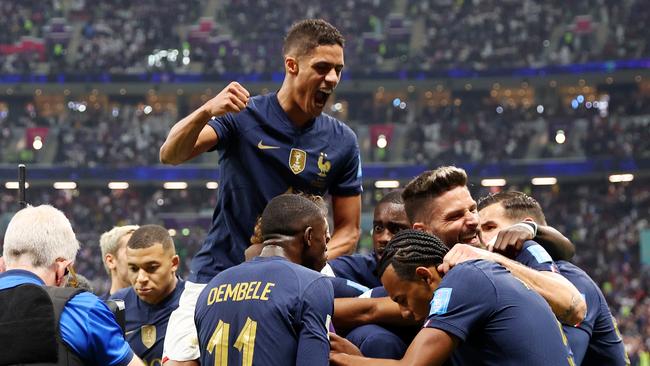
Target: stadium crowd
x=479 y=130
x=382 y=35
x=604 y=221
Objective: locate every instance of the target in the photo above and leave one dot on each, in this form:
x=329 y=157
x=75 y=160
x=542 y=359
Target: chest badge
x=323 y=165
x=297 y=160
x=148 y=335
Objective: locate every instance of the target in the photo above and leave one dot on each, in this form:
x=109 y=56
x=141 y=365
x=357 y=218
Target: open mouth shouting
x=321 y=96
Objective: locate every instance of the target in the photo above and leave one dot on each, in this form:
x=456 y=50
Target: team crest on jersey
x=323 y=165
x=148 y=335
x=297 y=160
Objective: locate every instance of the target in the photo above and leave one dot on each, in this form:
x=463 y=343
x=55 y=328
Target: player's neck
x=296 y=115
x=117 y=284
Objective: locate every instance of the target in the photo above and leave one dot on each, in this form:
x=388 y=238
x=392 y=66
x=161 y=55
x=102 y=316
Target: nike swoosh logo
x=129 y=332
x=266 y=147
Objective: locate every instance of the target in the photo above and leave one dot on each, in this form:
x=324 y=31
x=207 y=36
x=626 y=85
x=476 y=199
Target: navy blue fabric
x=377 y=342
x=258 y=148
x=290 y=306
x=360 y=268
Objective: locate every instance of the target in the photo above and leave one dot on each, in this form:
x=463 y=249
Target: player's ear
x=424 y=274
x=175 y=261
x=307 y=236
x=419 y=226
x=109 y=259
x=291 y=65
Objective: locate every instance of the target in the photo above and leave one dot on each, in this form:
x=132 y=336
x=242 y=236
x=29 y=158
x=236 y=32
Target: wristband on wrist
x=532 y=226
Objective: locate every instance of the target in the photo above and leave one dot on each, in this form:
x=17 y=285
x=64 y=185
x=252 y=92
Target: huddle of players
x=276 y=309
x=477 y=307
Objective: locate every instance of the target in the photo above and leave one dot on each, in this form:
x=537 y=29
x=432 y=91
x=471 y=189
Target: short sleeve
x=91 y=331
x=536 y=257
x=226 y=128
x=458 y=307
x=316 y=314
x=346 y=288
x=348 y=183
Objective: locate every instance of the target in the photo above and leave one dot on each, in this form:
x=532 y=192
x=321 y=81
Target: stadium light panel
x=617 y=178
x=14 y=185
x=64 y=185
x=387 y=184
x=493 y=182
x=175 y=185
x=544 y=181
x=212 y=185
x=118 y=185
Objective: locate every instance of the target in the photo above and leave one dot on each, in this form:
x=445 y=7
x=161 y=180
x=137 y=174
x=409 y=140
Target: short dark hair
x=150 y=235
x=308 y=34
x=392 y=197
x=288 y=214
x=256 y=238
x=517 y=205
x=410 y=249
x=428 y=186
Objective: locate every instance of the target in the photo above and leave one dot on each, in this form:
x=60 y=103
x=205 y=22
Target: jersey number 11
x=245 y=343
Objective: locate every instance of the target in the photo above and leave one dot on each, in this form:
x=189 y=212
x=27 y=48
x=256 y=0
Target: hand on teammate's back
x=462 y=253
x=232 y=99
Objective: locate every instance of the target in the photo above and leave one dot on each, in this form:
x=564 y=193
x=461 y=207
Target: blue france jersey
x=146 y=324
x=346 y=288
x=498 y=320
x=536 y=257
x=263 y=155
x=267 y=311
x=595 y=341
x=360 y=268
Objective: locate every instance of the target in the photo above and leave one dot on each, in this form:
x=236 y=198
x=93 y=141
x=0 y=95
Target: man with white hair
x=39 y=249
x=113 y=246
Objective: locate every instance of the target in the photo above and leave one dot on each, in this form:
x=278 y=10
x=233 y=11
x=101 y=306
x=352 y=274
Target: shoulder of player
x=337 y=127
x=470 y=272
x=121 y=294
x=353 y=259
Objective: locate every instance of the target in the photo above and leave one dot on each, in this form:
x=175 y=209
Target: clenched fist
x=232 y=99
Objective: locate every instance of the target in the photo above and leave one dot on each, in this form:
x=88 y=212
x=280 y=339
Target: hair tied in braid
x=410 y=249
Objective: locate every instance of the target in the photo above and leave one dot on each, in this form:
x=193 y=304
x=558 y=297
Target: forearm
x=565 y=300
x=343 y=242
x=343 y=359
x=182 y=138
x=353 y=312
x=556 y=244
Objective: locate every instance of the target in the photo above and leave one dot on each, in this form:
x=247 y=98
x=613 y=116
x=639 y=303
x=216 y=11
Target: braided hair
x=410 y=249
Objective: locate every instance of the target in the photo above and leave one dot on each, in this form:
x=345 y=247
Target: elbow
x=167 y=158
x=576 y=312
x=580 y=312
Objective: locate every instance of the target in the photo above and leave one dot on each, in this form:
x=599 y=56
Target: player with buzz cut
x=596 y=340
x=154 y=293
x=268 y=145
x=275 y=308
x=477 y=313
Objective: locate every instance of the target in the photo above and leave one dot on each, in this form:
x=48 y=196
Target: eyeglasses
x=71 y=280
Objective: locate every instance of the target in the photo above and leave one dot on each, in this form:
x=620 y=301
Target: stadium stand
x=527 y=104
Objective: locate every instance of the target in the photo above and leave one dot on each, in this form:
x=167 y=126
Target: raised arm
x=347 y=218
x=192 y=136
